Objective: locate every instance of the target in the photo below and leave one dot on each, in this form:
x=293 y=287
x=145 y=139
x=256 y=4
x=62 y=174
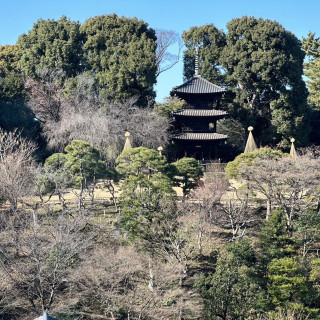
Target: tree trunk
x=268 y=209
x=151 y=276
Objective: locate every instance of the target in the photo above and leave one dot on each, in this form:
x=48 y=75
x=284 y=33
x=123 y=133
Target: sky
x=299 y=17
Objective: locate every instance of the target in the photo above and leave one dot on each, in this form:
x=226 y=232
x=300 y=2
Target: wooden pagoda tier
x=195 y=126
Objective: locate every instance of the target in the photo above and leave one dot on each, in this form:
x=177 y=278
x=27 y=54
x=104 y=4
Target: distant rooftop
x=198 y=85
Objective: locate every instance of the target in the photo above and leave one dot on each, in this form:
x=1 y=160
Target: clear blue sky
x=300 y=17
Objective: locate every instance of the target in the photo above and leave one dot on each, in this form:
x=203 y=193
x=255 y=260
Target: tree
x=231 y=292
x=14 y=112
x=264 y=64
x=52 y=44
x=122 y=53
x=311 y=45
x=146 y=205
x=45 y=94
x=188 y=172
x=274 y=239
x=209 y=41
x=165 y=40
x=287 y=284
x=58 y=175
x=84 y=163
x=38 y=261
x=233 y=167
x=139 y=161
x=16 y=166
x=171 y=104
x=288 y=183
x=103 y=125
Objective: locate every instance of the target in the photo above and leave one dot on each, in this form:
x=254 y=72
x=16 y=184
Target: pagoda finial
x=127 y=144
x=293 y=153
x=196 y=64
x=251 y=144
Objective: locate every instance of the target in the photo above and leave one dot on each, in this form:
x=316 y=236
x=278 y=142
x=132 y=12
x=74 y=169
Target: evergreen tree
x=52 y=44
x=121 y=51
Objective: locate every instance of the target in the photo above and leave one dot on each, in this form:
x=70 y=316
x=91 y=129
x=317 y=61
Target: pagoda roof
x=200 y=136
x=198 y=85
x=200 y=113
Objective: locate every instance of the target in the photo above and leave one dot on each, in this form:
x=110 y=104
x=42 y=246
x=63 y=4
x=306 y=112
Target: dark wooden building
x=195 y=125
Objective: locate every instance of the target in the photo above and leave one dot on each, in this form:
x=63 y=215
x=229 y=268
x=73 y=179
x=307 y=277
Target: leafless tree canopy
x=167 y=39
x=16 y=166
x=104 y=127
x=289 y=183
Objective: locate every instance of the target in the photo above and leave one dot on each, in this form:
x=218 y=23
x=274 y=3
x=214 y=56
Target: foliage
x=210 y=42
x=233 y=167
x=264 y=64
x=141 y=160
x=147 y=207
x=188 y=172
x=166 y=108
x=121 y=51
x=84 y=161
x=311 y=45
x=232 y=292
x=52 y=44
x=274 y=238
x=286 y=281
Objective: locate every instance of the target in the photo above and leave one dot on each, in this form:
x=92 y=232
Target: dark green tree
x=84 y=163
x=209 y=41
x=232 y=291
x=275 y=239
x=147 y=208
x=187 y=174
x=121 y=51
x=311 y=45
x=287 y=284
x=13 y=111
x=137 y=161
x=52 y=44
x=264 y=64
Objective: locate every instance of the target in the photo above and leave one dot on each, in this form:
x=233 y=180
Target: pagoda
x=195 y=126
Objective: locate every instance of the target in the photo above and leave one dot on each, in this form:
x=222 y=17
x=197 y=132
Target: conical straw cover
x=251 y=144
x=293 y=153
x=127 y=144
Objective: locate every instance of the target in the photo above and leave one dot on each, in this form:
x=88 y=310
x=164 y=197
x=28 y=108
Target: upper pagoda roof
x=197 y=85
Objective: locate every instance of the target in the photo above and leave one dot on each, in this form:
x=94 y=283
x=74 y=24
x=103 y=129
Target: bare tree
x=167 y=39
x=290 y=183
x=37 y=262
x=16 y=166
x=104 y=128
x=112 y=284
x=45 y=94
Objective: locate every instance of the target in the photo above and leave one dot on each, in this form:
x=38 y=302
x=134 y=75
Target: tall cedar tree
x=122 y=53
x=52 y=44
